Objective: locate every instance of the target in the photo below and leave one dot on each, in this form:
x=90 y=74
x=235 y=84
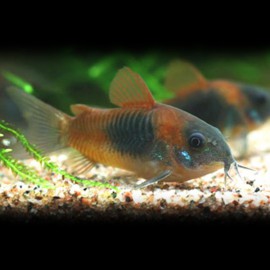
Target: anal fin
x=77 y=163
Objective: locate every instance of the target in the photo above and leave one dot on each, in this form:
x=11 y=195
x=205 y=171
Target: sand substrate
x=203 y=197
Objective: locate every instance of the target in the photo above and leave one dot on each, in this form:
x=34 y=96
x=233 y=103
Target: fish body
x=234 y=108
x=155 y=141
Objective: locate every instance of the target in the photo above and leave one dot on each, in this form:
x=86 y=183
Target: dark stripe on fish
x=210 y=107
x=132 y=133
x=258 y=109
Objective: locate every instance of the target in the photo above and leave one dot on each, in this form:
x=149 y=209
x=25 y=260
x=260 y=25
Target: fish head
x=202 y=149
x=258 y=109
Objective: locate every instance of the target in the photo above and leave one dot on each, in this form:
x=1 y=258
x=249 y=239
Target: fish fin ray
x=77 y=163
x=45 y=124
x=182 y=75
x=128 y=89
x=153 y=180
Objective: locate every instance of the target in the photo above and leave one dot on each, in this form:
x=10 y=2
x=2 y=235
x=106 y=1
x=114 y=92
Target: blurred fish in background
x=234 y=108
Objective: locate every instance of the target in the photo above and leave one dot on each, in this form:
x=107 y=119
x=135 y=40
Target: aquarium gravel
x=202 y=197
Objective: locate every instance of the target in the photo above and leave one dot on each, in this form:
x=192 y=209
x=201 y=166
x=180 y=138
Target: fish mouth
x=236 y=166
x=227 y=167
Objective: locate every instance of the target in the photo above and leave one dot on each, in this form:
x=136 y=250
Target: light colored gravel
x=248 y=195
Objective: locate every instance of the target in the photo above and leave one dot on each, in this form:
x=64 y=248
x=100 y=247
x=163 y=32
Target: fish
x=154 y=141
x=234 y=108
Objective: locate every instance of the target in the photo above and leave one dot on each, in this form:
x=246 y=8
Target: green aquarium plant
x=18 y=168
x=18 y=81
x=31 y=175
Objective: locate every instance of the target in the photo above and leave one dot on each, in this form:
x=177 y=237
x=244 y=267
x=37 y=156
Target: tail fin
x=47 y=126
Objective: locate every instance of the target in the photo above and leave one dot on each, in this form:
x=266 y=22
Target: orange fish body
x=234 y=108
x=155 y=141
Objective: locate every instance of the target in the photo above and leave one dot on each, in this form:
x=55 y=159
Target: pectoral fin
x=156 y=179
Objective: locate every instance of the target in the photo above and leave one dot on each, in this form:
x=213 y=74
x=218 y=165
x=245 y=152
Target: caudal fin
x=46 y=126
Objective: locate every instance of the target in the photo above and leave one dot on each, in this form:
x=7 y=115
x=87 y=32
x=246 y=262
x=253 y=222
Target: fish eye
x=196 y=140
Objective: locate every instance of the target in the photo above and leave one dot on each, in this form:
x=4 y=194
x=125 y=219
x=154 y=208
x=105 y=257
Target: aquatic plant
x=28 y=173
x=18 y=81
x=18 y=168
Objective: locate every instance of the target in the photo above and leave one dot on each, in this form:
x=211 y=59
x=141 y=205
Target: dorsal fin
x=128 y=89
x=183 y=75
x=80 y=108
